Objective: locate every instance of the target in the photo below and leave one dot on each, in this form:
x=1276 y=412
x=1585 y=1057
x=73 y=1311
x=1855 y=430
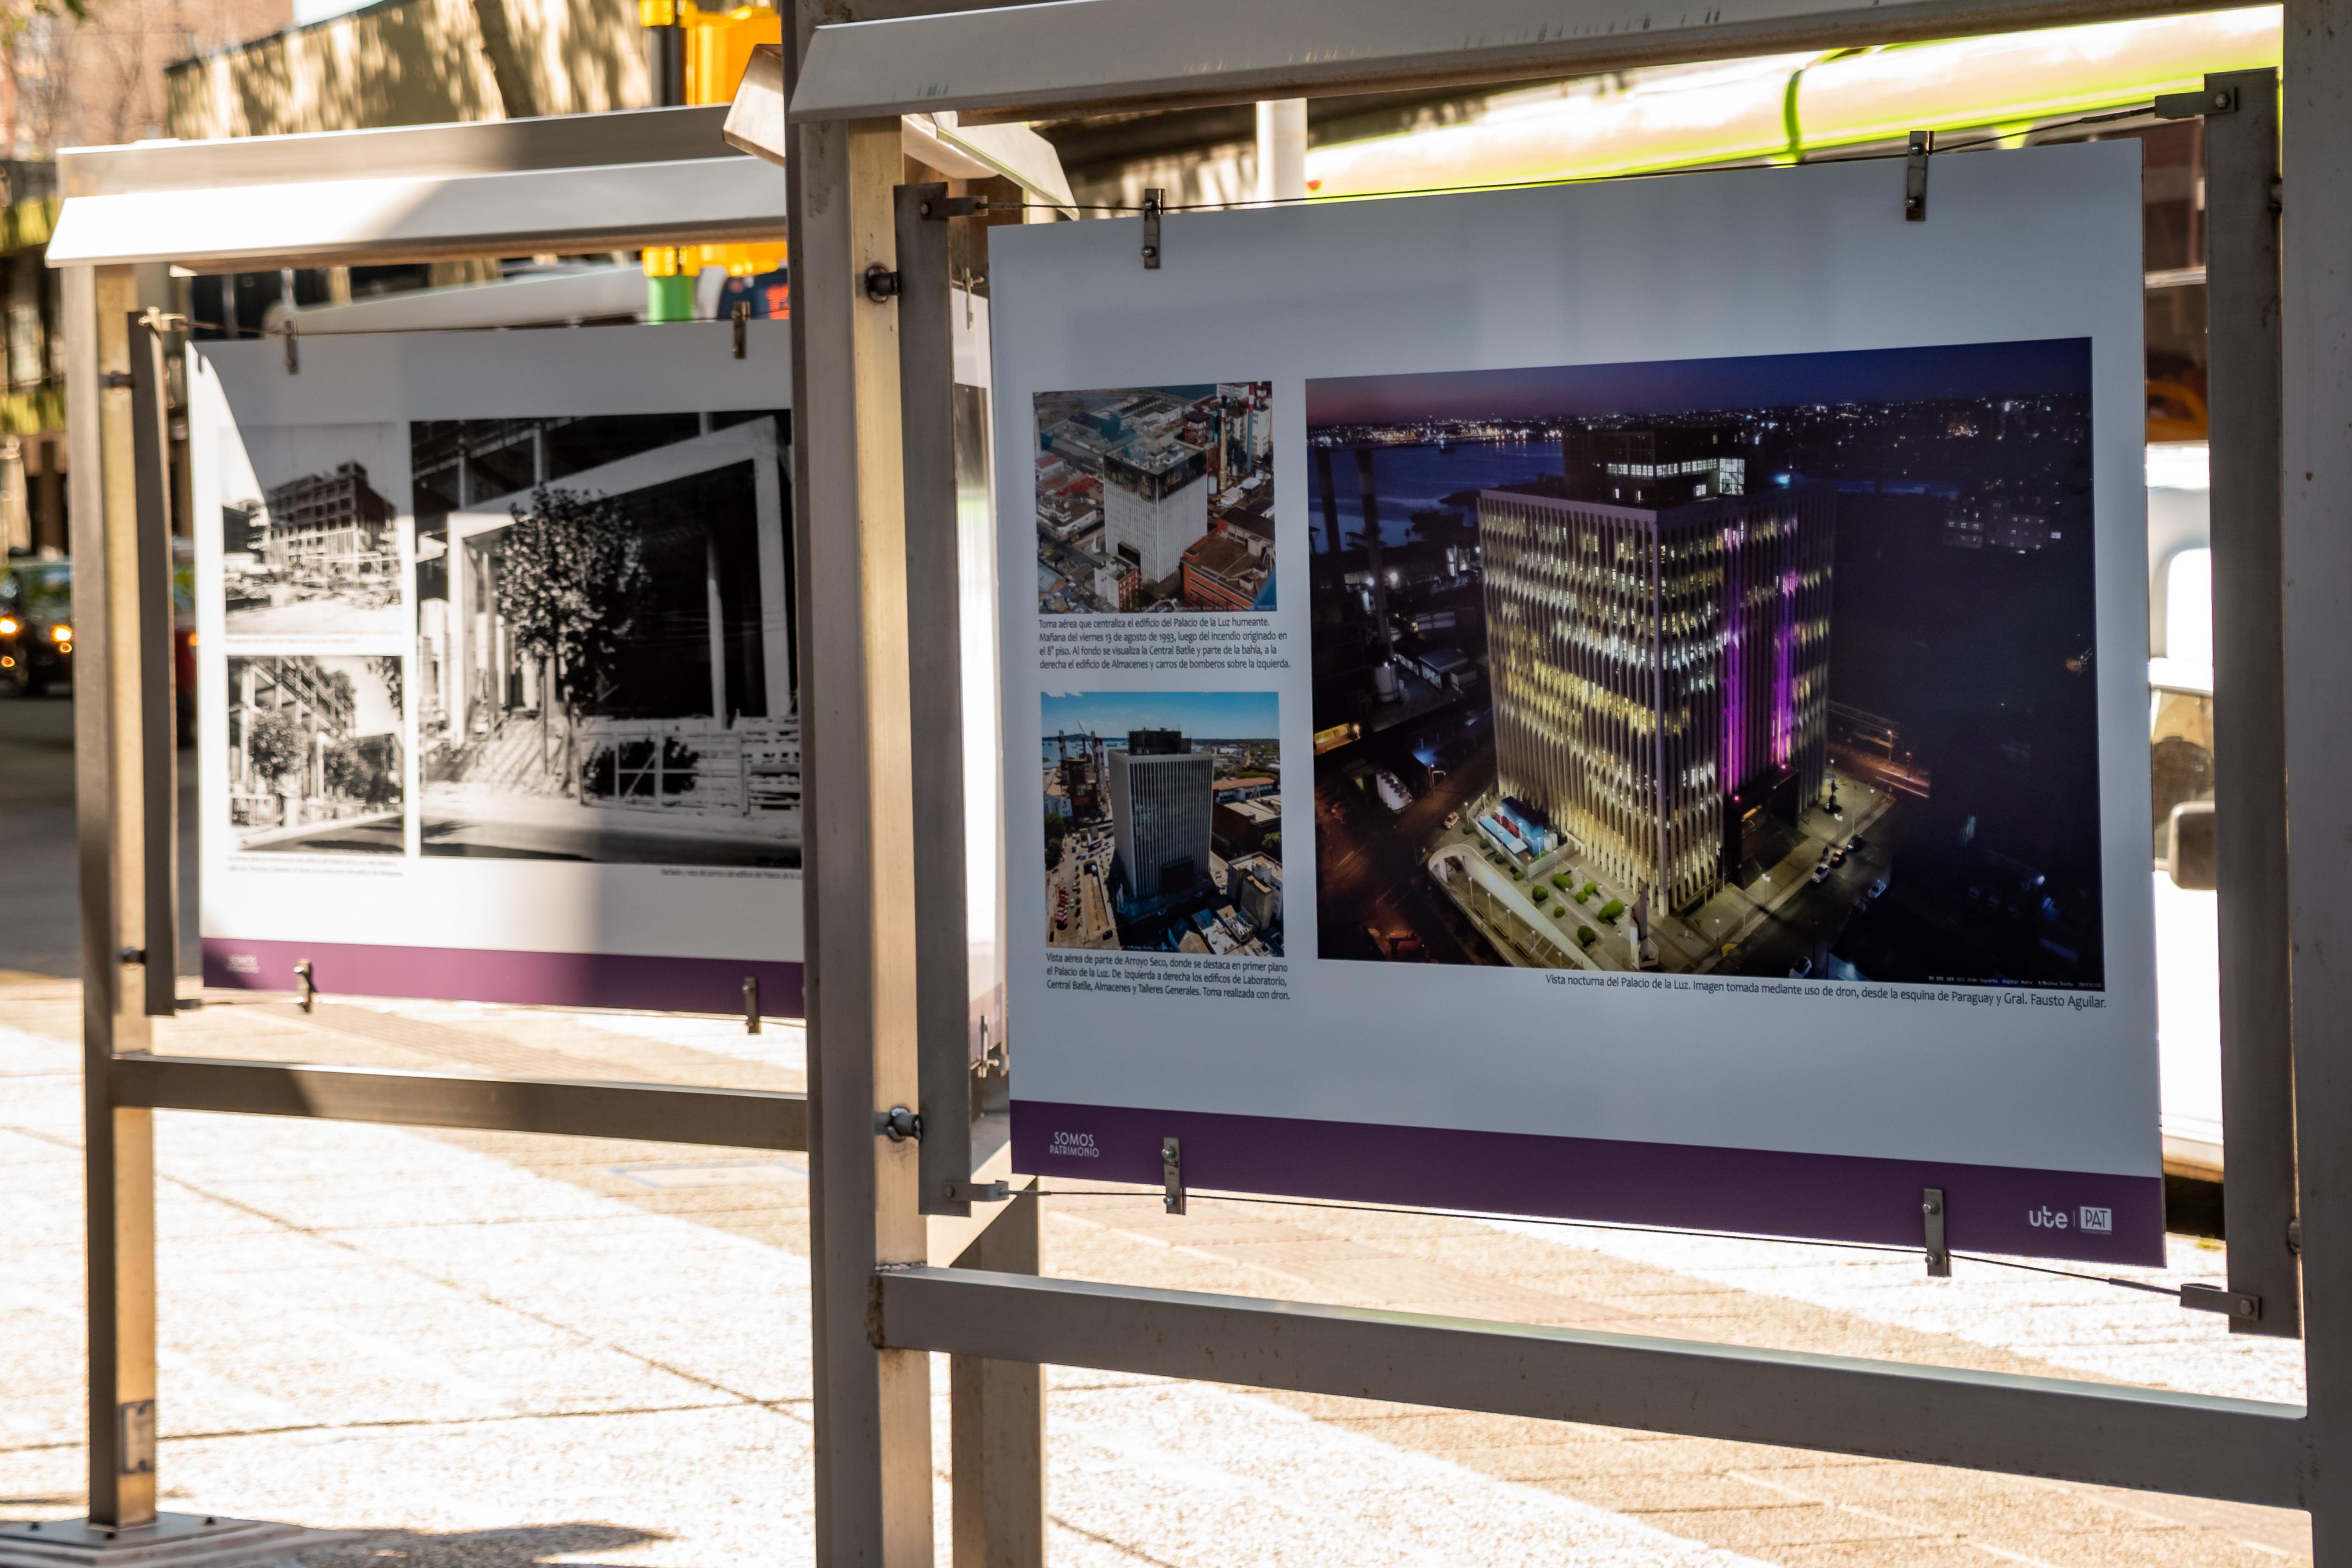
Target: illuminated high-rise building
x=1659 y=638
x=1163 y=796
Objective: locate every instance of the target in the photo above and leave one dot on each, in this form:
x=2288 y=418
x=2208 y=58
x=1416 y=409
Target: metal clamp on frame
x=2243 y=1305
x=976 y=1191
x=1915 y=176
x=1154 y=200
x=939 y=209
x=2205 y=100
x=1172 y=1172
x=1940 y=1251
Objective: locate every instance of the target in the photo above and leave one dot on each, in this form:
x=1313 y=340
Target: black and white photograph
x=309 y=523
x=315 y=762
x=604 y=639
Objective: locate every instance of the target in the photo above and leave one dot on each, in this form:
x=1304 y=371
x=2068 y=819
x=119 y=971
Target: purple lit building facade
x=1659 y=645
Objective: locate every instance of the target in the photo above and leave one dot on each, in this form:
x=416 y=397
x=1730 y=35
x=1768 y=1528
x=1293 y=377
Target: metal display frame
x=867 y=452
x=2281 y=644
x=132 y=216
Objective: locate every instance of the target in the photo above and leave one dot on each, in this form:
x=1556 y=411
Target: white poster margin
x=2043 y=243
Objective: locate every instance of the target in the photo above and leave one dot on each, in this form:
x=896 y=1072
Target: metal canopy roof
x=564 y=184
x=1079 y=56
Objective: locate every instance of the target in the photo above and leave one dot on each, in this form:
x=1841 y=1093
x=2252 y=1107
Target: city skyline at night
x=1776 y=667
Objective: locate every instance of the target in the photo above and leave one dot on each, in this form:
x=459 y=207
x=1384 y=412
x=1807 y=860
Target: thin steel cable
x=2118 y=1282
x=1737 y=166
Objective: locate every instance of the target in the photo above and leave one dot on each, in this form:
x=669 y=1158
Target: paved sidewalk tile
x=486 y=1349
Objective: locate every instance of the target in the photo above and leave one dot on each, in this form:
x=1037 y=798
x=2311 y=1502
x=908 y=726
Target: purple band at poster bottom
x=1830 y=1197
x=640 y=980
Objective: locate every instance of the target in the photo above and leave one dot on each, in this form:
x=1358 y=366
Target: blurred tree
x=385 y=668
x=279 y=747
x=515 y=94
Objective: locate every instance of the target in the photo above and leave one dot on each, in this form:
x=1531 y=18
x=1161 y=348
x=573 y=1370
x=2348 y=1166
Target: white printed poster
x=495 y=638
x=1620 y=702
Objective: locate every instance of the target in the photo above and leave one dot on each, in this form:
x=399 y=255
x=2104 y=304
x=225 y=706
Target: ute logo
x=2098 y=1221
x=2047 y=1219
x=1075 y=1146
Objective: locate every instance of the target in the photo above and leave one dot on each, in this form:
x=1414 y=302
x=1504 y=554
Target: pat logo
x=2102 y=1221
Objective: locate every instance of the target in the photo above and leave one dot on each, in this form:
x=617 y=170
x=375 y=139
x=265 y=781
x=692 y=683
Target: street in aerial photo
x=1163 y=822
x=1770 y=667
x=1156 y=498
x=314 y=755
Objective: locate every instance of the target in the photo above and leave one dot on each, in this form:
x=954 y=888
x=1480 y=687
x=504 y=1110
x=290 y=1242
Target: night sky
x=2028 y=369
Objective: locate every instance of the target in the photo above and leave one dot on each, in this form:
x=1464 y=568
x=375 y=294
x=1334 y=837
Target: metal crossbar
x=656 y=1113
x=2241 y=1449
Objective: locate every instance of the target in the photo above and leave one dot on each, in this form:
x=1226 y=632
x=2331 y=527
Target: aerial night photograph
x=1773 y=667
x=1155 y=498
x=1163 y=822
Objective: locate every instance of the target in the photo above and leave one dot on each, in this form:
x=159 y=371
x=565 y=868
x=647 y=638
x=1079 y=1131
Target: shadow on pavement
x=521 y=1547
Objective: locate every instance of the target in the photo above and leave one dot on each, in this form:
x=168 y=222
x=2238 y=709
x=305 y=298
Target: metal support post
x=156 y=657
x=108 y=805
x=2316 y=563
x=943 y=980
x=2241 y=290
x=997 y=1434
x=873 y=1405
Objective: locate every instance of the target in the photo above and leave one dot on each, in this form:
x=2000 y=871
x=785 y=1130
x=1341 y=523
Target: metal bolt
x=2221 y=100
x=1150 y=251
x=1930 y=1207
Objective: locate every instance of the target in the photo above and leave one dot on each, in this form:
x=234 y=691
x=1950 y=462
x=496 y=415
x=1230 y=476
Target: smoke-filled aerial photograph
x=1771 y=667
x=1155 y=498
x=604 y=640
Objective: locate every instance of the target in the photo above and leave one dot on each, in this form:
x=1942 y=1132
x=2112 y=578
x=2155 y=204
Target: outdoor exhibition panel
x=346 y=483
x=502 y=628
x=1147 y=350
x=1718 y=664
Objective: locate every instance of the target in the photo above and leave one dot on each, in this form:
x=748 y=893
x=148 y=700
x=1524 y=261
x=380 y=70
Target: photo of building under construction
x=1156 y=498
x=604 y=639
x=1764 y=666
x=315 y=763
x=311 y=529
x=1163 y=822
